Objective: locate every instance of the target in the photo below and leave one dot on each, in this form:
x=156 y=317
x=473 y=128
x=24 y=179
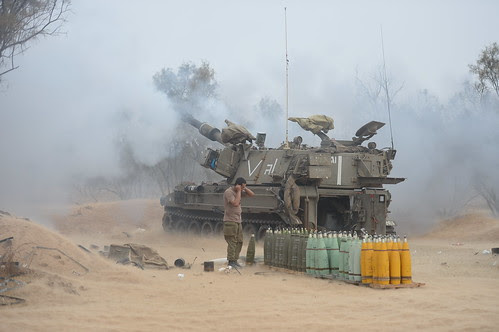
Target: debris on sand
x=179 y=262
x=137 y=254
x=10 y=300
x=82 y=247
x=7 y=239
x=66 y=255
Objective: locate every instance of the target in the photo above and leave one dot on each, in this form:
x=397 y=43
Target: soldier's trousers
x=233 y=233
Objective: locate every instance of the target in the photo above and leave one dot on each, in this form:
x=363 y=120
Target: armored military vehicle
x=336 y=186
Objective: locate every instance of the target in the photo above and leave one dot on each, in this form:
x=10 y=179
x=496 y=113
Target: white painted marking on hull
x=250 y=172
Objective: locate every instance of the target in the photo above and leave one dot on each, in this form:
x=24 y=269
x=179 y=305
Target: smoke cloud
x=74 y=97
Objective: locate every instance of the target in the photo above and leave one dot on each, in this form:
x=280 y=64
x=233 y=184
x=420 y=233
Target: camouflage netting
x=147 y=256
x=315 y=123
x=235 y=134
x=292 y=200
x=139 y=254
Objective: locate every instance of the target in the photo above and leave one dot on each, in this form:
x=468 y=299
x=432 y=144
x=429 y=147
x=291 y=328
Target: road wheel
x=194 y=227
x=219 y=227
x=180 y=226
x=167 y=223
x=207 y=228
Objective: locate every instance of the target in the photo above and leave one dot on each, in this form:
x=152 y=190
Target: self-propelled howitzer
x=337 y=186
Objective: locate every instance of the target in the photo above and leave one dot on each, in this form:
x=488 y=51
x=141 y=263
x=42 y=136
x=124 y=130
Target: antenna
x=286 y=144
x=385 y=87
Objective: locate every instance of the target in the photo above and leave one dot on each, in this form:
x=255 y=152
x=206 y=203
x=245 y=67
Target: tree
x=188 y=88
x=379 y=90
x=487 y=69
x=23 y=21
x=179 y=166
x=485 y=188
x=269 y=108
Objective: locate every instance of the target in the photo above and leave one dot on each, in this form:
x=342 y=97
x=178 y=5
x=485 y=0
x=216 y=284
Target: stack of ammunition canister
x=286 y=248
x=374 y=259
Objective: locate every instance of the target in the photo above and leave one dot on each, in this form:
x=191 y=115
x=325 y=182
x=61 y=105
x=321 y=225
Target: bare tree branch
x=487 y=192
x=23 y=21
x=487 y=69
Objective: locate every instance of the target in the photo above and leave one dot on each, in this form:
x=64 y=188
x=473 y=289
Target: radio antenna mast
x=385 y=86
x=286 y=144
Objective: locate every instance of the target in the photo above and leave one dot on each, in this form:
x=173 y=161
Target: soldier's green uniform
x=233 y=230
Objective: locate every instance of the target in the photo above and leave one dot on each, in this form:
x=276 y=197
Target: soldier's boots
x=234 y=264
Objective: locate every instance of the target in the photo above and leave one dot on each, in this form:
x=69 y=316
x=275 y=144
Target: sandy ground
x=461 y=291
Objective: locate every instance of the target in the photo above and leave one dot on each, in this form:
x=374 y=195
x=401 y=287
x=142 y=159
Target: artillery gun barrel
x=205 y=129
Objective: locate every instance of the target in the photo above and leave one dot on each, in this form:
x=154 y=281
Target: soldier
x=233 y=230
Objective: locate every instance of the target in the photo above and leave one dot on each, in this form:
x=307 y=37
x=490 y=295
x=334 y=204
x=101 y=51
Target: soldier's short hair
x=240 y=181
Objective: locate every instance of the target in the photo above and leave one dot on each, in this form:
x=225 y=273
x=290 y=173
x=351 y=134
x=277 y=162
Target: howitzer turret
x=337 y=186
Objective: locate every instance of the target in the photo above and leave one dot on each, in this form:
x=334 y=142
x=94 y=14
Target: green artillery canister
x=250 y=253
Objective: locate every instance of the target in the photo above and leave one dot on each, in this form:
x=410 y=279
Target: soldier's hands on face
x=238 y=188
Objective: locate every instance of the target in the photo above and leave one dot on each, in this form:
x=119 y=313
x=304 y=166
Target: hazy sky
x=60 y=111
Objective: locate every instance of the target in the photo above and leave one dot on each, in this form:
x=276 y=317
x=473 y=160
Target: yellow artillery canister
x=383 y=265
x=374 y=261
x=394 y=256
x=405 y=262
x=367 y=261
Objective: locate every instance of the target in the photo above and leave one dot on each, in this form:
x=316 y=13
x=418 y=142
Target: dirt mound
x=108 y=217
x=470 y=227
x=49 y=268
x=39 y=249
